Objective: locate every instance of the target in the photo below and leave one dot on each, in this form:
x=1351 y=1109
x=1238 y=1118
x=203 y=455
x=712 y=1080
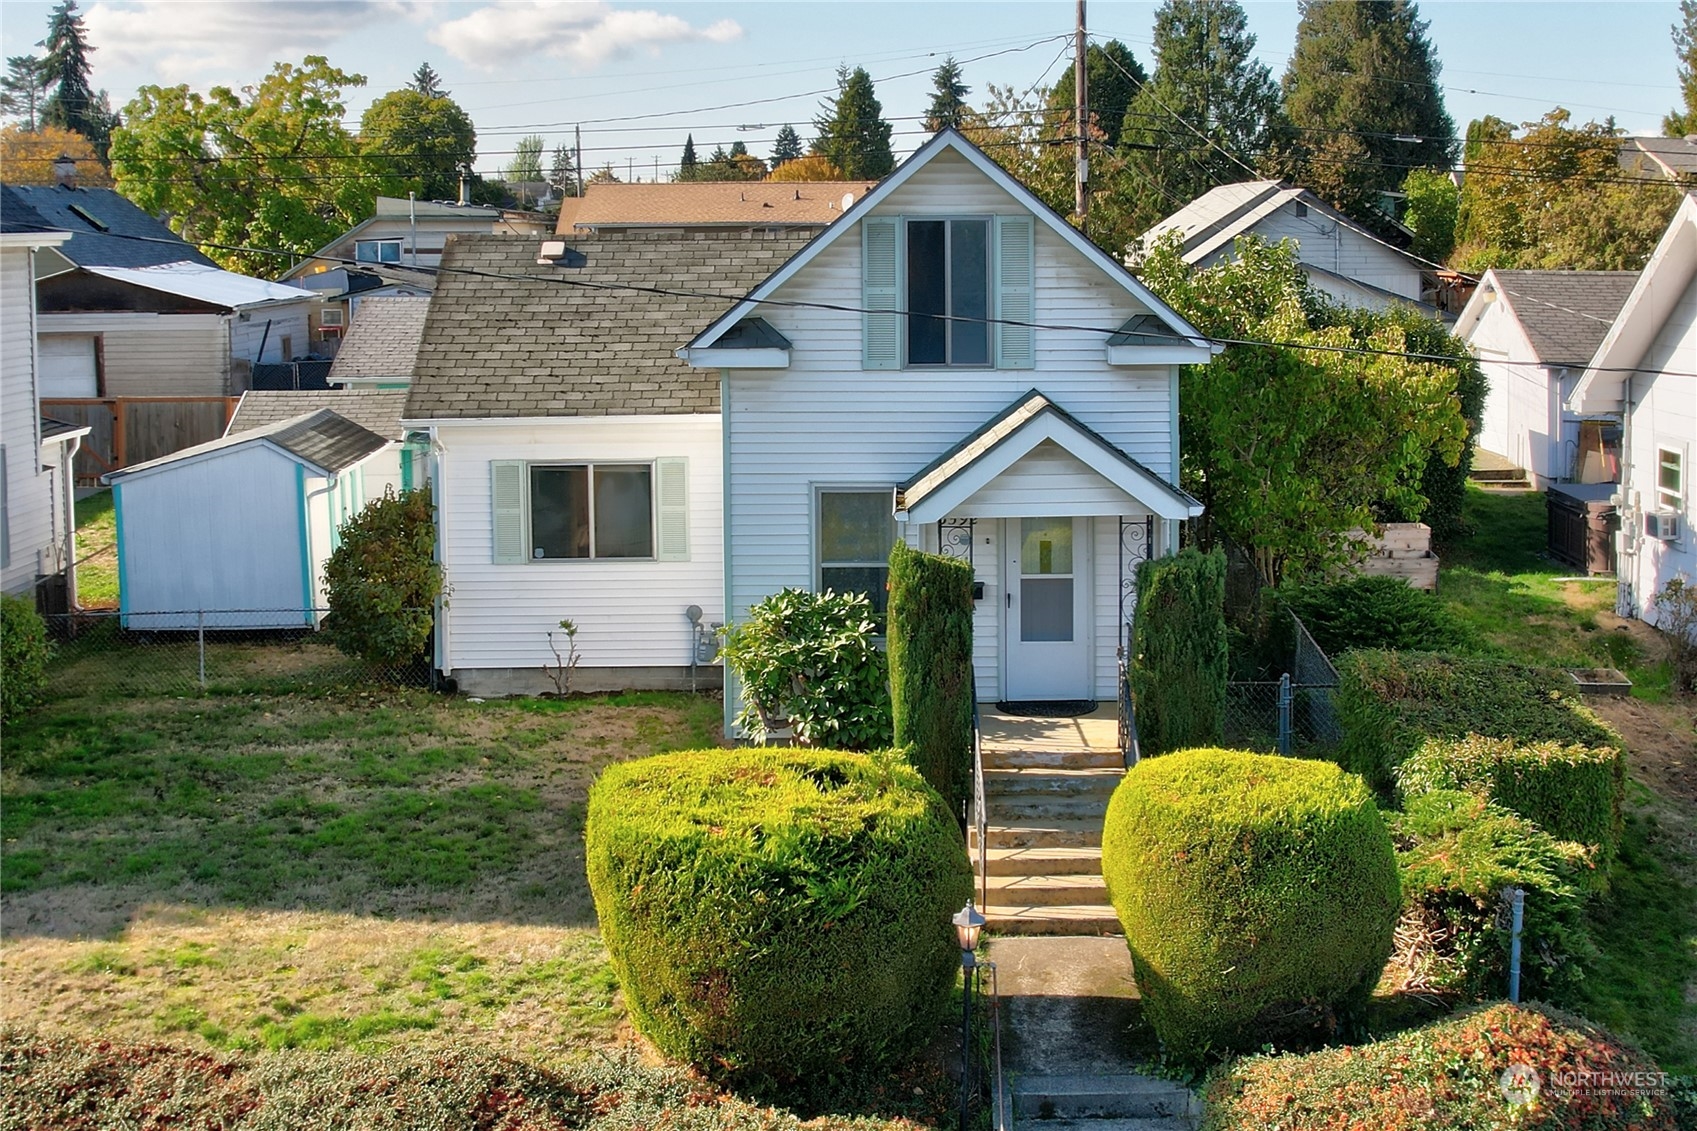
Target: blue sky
x=638 y=76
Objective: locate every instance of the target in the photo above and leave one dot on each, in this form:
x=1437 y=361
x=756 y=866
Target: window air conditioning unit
x=330 y=316
x=1662 y=525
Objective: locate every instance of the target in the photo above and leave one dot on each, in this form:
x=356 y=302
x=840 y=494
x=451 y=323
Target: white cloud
x=584 y=33
x=185 y=42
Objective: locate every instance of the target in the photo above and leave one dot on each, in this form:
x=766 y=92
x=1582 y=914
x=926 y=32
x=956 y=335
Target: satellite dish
x=848 y=200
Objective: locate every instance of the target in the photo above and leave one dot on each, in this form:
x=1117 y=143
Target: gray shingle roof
x=329 y=442
x=537 y=345
x=17 y=216
x=107 y=230
x=378 y=410
x=383 y=339
x=1566 y=313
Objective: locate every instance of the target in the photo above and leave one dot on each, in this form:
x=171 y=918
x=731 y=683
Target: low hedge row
x=1257 y=893
x=1450 y=1074
x=773 y=914
x=1375 y=612
x=1457 y=853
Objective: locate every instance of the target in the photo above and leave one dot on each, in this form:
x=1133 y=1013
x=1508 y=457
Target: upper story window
x=948 y=292
x=377 y=251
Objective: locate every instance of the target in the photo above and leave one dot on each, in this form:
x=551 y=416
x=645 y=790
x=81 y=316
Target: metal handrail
x=980 y=812
x=1131 y=749
x=1001 y=1121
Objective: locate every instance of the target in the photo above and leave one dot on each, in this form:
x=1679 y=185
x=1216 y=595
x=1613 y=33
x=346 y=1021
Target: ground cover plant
x=778 y=914
x=1257 y=893
x=1449 y=1074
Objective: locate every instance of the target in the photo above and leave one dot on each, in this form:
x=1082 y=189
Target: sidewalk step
x=1044 y=891
x=1073 y=860
x=1156 y=1123
x=1065 y=832
x=1014 y=782
x=1017 y=757
x=1023 y=808
x=1101 y=1097
x=1053 y=919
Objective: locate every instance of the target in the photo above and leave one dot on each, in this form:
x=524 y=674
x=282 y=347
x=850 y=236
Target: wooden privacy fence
x=129 y=430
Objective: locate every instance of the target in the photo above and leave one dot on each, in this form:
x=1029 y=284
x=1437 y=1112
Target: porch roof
x=978 y=459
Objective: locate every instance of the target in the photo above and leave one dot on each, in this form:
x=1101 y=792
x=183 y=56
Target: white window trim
x=653 y=507
x=991 y=288
x=330 y=316
x=820 y=490
x=400 y=250
x=1683 y=496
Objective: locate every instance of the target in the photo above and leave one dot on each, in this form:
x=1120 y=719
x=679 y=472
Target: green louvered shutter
x=1015 y=289
x=507 y=477
x=880 y=290
x=671 y=496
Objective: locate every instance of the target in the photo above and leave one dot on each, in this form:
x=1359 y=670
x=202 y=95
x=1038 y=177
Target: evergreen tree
x=526 y=167
x=787 y=147
x=1210 y=111
x=562 y=172
x=66 y=72
x=1363 y=76
x=948 y=97
x=427 y=82
x=853 y=134
x=1113 y=76
x=738 y=149
x=687 y=168
x=1680 y=124
x=20 y=90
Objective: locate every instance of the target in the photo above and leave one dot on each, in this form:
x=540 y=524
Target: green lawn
x=97 y=551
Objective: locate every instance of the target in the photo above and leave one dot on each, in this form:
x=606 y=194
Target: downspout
x=412 y=223
x=309 y=586
x=725 y=526
x=67 y=463
x=1631 y=521
x=436 y=457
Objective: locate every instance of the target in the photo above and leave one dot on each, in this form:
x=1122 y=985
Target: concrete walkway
x=1069 y=1011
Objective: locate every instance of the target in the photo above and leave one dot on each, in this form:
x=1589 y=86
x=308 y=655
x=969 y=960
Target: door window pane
x=1045 y=608
x=927 y=293
x=969 y=292
x=1045 y=546
x=624 y=513
x=559 y=512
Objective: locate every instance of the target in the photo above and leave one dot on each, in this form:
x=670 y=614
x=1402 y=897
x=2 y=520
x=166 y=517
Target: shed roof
x=1566 y=314
x=324 y=440
x=107 y=230
x=382 y=340
x=506 y=337
x=711 y=203
x=377 y=410
x=209 y=284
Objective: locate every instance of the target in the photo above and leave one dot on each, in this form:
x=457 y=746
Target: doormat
x=1048 y=708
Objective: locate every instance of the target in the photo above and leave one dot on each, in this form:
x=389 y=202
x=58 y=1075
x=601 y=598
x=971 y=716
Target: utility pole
x=1080 y=122
x=577 y=136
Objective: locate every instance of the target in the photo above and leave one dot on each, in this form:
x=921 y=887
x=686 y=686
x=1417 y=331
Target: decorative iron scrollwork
x=1137 y=544
x=954 y=538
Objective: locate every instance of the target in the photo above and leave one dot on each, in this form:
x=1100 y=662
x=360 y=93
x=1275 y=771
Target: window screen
x=856 y=531
x=592 y=511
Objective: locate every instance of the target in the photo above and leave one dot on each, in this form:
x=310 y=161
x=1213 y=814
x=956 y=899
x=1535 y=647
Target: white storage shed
x=233 y=534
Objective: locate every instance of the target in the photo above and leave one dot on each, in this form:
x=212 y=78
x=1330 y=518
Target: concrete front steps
x=1104 y=1102
x=1047 y=784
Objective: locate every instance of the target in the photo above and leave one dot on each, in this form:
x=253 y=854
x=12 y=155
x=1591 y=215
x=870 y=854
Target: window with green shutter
x=554 y=511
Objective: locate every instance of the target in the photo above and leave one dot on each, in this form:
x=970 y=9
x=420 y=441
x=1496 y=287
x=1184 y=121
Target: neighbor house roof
x=1566 y=314
x=208 y=284
x=382 y=341
x=710 y=203
x=1213 y=220
x=513 y=338
x=55 y=431
x=377 y=410
x=323 y=440
x=1672 y=157
x=107 y=230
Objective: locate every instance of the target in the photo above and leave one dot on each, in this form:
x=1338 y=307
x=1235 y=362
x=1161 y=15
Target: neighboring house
x=1663 y=158
x=381 y=347
x=1022 y=416
x=128 y=309
x=1645 y=374
x=377 y=410
x=233 y=534
x=698 y=205
x=343 y=290
x=1533 y=332
x=37 y=522
x=404 y=233
x=1342 y=258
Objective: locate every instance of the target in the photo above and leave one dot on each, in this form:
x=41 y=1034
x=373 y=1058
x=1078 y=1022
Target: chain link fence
x=179 y=653
x=1314 y=681
x=1295 y=711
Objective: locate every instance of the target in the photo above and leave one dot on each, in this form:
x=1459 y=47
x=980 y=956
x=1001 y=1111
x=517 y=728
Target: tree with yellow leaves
x=28 y=156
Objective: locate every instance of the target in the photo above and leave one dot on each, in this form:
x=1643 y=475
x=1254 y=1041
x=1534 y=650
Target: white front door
x=1046 y=621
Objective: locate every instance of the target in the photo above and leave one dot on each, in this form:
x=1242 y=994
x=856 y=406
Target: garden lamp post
x=968 y=923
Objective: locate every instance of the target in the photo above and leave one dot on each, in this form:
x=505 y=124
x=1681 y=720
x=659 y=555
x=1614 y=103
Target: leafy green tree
x=1113 y=75
x=1683 y=123
x=1432 y=202
x=1291 y=446
x=1207 y=115
x=20 y=90
x=562 y=171
x=427 y=82
x=265 y=168
x=1552 y=195
x=787 y=146
x=690 y=163
x=948 y=97
x=419 y=142
x=526 y=166
x=382 y=580
x=1363 y=76
x=853 y=134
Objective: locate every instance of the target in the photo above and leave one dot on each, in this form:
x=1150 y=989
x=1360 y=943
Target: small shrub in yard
x=1375 y=612
x=1676 y=616
x=24 y=653
x=930 y=649
x=1450 y=1074
x=1179 y=663
x=382 y=581
x=1457 y=853
x=777 y=914
x=811 y=661
x=1257 y=893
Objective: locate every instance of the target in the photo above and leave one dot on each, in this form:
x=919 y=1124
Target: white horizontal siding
x=29 y=494
x=1326 y=244
x=265 y=330
x=1048 y=480
x=629 y=613
x=1664 y=413
x=1524 y=418
x=155 y=355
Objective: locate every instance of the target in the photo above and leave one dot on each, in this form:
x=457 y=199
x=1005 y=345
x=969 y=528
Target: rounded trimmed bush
x=1258 y=895
x=777 y=913
x=24 y=653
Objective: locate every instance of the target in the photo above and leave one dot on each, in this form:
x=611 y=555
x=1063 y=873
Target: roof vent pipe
x=465 y=187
